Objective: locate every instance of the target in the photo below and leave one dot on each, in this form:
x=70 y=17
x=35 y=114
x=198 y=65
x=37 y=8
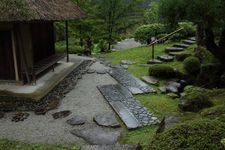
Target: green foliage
x=162 y=71
x=192 y=65
x=191 y=135
x=152 y=13
x=182 y=56
x=14 y=145
x=102 y=45
x=214 y=111
x=189 y=29
x=205 y=56
x=144 y=33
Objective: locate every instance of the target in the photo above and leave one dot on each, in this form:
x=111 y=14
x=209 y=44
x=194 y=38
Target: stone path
x=135 y=85
x=132 y=112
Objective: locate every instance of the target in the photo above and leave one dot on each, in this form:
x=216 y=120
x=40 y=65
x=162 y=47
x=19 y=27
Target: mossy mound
x=214 y=111
x=192 y=135
x=192 y=65
x=162 y=71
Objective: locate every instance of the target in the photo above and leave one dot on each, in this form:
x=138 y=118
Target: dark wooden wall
x=42 y=40
x=7 y=71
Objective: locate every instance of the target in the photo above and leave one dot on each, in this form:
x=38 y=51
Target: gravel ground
x=84 y=100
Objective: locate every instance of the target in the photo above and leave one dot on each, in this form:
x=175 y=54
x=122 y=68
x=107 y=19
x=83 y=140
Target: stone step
x=174 y=53
x=109 y=147
x=181 y=45
x=173 y=49
x=154 y=61
x=192 y=38
x=135 y=85
x=166 y=58
x=190 y=42
x=131 y=112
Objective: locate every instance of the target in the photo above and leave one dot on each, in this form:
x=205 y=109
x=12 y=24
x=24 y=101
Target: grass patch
x=15 y=145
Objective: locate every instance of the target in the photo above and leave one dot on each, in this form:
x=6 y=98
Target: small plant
x=192 y=65
x=102 y=45
x=162 y=71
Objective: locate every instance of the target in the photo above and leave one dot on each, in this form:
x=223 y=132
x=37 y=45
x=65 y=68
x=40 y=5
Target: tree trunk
x=200 y=35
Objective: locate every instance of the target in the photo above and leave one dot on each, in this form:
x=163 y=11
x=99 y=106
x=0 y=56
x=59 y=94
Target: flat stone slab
x=192 y=38
x=107 y=120
x=101 y=71
x=131 y=111
x=61 y=114
x=166 y=58
x=135 y=85
x=154 y=61
x=173 y=53
x=150 y=80
x=127 y=62
x=173 y=49
x=109 y=147
x=76 y=120
x=97 y=136
x=189 y=42
x=181 y=45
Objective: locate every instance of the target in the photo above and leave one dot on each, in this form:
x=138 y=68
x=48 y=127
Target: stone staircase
x=173 y=51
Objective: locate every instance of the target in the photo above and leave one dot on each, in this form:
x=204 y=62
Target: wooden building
x=27 y=45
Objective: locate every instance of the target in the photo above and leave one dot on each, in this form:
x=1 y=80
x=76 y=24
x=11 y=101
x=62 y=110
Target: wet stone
x=97 y=136
x=61 y=114
x=76 y=120
x=107 y=120
x=150 y=80
x=188 y=42
x=127 y=62
x=166 y=58
x=20 y=116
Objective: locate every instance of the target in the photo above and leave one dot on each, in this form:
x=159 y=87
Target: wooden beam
x=67 y=42
x=14 y=56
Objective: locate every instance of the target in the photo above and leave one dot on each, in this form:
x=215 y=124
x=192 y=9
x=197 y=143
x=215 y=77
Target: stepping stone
x=173 y=87
x=97 y=136
x=127 y=62
x=173 y=95
x=109 y=147
x=154 y=61
x=173 y=49
x=135 y=85
x=162 y=89
x=101 y=72
x=144 y=65
x=166 y=58
x=76 y=120
x=192 y=38
x=20 y=116
x=181 y=45
x=173 y=53
x=1 y=115
x=124 y=66
x=61 y=114
x=167 y=122
x=91 y=71
x=107 y=120
x=150 y=80
x=190 y=42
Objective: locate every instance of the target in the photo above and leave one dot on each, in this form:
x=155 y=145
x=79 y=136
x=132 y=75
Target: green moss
x=15 y=145
x=214 y=111
x=162 y=71
x=191 y=135
x=192 y=65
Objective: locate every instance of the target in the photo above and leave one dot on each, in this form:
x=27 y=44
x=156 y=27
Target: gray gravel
x=84 y=100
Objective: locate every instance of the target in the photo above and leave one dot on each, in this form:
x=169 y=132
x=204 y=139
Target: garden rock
x=90 y=71
x=61 y=114
x=189 y=42
x=162 y=89
x=127 y=62
x=166 y=58
x=76 y=120
x=154 y=61
x=173 y=95
x=150 y=80
x=173 y=87
x=167 y=122
x=97 y=136
x=107 y=120
x=181 y=45
x=173 y=49
x=124 y=66
x=20 y=116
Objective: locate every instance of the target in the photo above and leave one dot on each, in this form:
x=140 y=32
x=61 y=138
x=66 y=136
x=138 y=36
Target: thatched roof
x=34 y=10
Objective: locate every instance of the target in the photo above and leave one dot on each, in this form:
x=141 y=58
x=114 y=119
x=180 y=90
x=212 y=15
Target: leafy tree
x=152 y=13
x=208 y=15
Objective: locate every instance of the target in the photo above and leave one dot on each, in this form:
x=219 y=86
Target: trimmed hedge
x=192 y=65
x=191 y=135
x=162 y=71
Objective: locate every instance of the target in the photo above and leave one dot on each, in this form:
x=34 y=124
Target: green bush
x=162 y=71
x=144 y=33
x=214 y=111
x=192 y=65
x=102 y=45
x=192 y=135
x=182 y=56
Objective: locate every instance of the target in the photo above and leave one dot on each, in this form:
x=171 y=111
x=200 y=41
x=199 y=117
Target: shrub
x=144 y=33
x=102 y=45
x=191 y=135
x=182 y=56
x=192 y=65
x=162 y=71
x=214 y=111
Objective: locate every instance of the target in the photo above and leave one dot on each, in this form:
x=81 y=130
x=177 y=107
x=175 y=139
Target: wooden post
x=67 y=42
x=14 y=56
x=153 y=51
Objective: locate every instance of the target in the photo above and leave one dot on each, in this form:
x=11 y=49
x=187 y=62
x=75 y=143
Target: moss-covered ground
x=160 y=104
